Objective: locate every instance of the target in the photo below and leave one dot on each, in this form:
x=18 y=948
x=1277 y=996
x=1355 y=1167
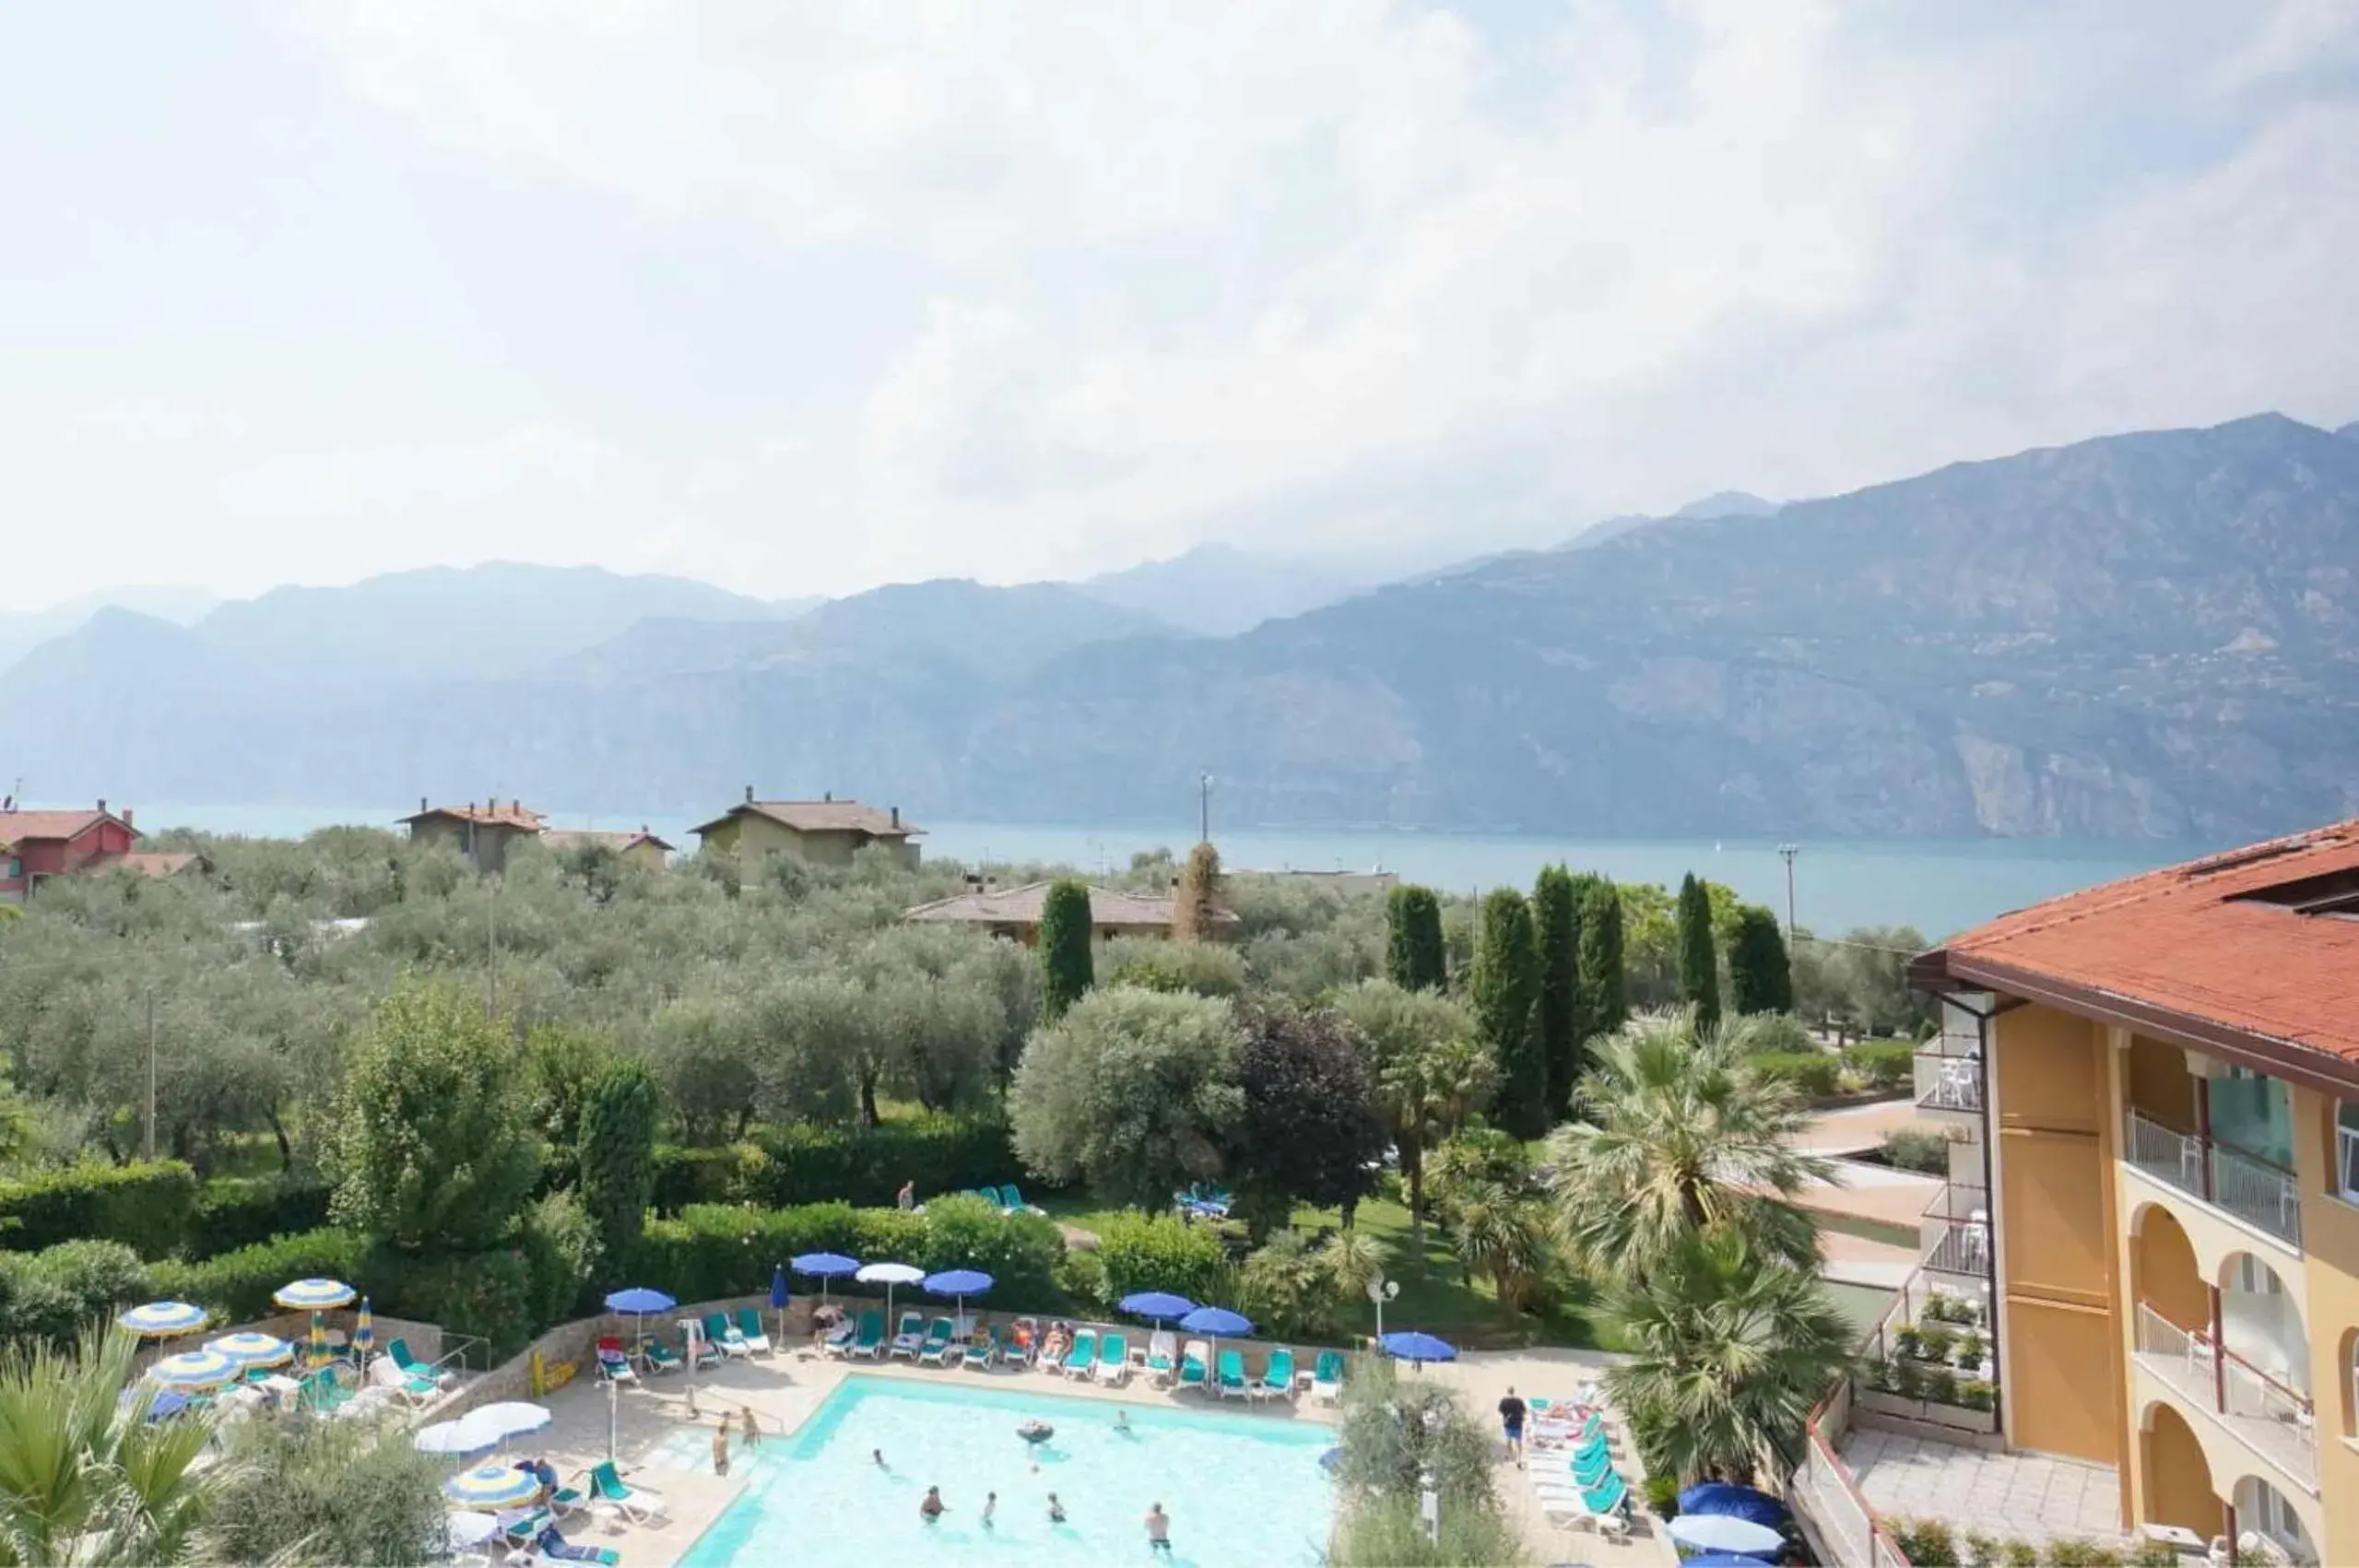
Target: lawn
x=1435 y=1293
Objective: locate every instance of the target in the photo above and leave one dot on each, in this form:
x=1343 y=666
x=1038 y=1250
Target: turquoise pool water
x=1243 y=1491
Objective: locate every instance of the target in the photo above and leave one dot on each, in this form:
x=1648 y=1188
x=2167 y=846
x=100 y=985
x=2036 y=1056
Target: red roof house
x=37 y=845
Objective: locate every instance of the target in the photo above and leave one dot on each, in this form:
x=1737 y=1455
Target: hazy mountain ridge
x=2146 y=635
x=1218 y=590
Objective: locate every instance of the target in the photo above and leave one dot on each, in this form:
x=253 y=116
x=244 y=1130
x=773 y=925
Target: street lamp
x=1788 y=851
x=1380 y=1290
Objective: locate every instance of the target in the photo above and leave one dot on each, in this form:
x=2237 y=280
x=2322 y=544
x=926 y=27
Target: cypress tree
x=1064 y=965
x=1556 y=930
x=1760 y=976
x=1414 y=958
x=1699 y=962
x=1503 y=985
x=617 y=1160
x=1603 y=1003
x=1195 y=903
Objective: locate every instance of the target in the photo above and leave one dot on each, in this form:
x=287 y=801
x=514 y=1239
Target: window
x=2346 y=1150
x=12 y=869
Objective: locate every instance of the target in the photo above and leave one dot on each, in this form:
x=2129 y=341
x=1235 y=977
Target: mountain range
x=2152 y=635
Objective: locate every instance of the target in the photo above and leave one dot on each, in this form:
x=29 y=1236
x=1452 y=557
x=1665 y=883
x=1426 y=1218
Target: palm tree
x=1432 y=1073
x=1679 y=1134
x=1731 y=1350
x=1502 y=1234
x=85 y=1478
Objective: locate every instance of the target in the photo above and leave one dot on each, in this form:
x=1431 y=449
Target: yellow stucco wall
x=750 y=836
x=2164 y=1273
x=2058 y=1256
x=2160 y=1084
x=2177 y=1477
x=2329 y=1314
x=645 y=853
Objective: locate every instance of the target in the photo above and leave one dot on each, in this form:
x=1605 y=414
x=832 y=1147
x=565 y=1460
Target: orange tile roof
x=823 y=817
x=580 y=838
x=16 y=827
x=148 y=863
x=510 y=815
x=2201 y=947
x=1022 y=905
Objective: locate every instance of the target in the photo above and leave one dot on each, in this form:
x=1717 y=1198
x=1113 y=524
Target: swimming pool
x=1242 y=1490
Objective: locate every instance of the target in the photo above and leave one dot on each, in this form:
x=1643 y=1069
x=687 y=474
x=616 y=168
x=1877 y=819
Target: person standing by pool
x=1159 y=1528
x=932 y=1509
x=990 y=1507
x=1055 y=1509
x=752 y=1432
x=877 y=1457
x=721 y=1446
x=1511 y=1420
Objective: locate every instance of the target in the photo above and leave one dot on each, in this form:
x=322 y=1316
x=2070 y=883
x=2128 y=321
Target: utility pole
x=151 y=1074
x=1788 y=851
x=491 y=945
x=1204 y=808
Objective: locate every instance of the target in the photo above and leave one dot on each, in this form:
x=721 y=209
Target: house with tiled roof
x=639 y=848
x=826 y=831
x=159 y=865
x=2153 y=1208
x=38 y=844
x=481 y=834
x=1015 y=913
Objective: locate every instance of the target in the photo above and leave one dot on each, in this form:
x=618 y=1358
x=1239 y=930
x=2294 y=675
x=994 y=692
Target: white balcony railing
x=2276 y=1422
x=2256 y=1192
x=1946 y=1082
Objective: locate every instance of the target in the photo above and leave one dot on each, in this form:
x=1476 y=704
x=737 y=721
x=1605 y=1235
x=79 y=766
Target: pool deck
x=782 y=1391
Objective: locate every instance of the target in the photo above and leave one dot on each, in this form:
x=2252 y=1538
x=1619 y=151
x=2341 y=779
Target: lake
x=1937 y=886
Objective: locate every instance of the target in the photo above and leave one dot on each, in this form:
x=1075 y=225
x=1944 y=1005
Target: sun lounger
x=1162 y=1357
x=722 y=1335
x=638 y=1503
x=910 y=1337
x=981 y=1348
x=660 y=1356
x=1326 y=1377
x=552 y=1545
x=1015 y=1203
x=320 y=1392
x=1114 y=1360
x=750 y=1330
x=938 y=1340
x=614 y=1362
x=1193 y=1360
x=839 y=1339
x=1605 y=1501
x=1233 y=1375
x=1277 y=1375
x=1082 y=1357
x=869 y=1340
x=704 y=1351
x=397 y=1351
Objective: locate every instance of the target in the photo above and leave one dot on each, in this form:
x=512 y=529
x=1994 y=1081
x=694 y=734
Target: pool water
x=1242 y=1490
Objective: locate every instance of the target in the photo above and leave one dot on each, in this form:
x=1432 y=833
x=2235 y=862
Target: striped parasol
x=319 y=1354
x=193 y=1371
x=364 y=1333
x=318 y=1296
x=253 y=1349
x=492 y=1486
x=162 y=1320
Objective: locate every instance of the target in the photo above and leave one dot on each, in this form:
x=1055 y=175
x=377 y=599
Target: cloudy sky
x=801 y=296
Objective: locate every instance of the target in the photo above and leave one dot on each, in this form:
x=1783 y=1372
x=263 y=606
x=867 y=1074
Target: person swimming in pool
x=1055 y=1509
x=990 y=1508
x=877 y=1457
x=932 y=1508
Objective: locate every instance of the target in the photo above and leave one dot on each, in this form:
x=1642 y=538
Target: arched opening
x=2264 y=1511
x=2261 y=1324
x=2163 y=1276
x=2346 y=1361
x=2179 y=1480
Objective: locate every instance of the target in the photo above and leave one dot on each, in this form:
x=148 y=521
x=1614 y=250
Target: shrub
x=2072 y=1551
x=2020 y=1553
x=1909 y=1341
x=1977 y=1394
x=237 y=1211
x=146 y=1208
x=1970 y=1346
x=1928 y=1543
x=683 y=1176
x=867 y=1165
x=489 y=1294
x=1082 y=1276
x=1882 y=1064
x=1019 y=1251
x=1162 y=1252
x=1813 y=1072
x=562 y=1251
x=1982 y=1549
x=237 y=1285
x=1935 y=1341
x=1663 y=1496
x=1940 y=1385
x=322 y=1491
x=1917 y=1148
x=53 y=1294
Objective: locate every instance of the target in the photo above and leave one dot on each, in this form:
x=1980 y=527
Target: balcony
x=1959 y=1234
x=1949 y=1080
x=2277 y=1423
x=2260 y=1194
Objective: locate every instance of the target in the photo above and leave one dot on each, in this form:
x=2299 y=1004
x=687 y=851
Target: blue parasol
x=779 y=1297
x=1215 y=1321
x=636 y=1304
x=1735 y=1501
x=1413 y=1345
x=825 y=1267
x=959 y=1282
x=1157 y=1305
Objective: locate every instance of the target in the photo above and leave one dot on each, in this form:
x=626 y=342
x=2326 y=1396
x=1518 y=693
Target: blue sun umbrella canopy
x=1414 y=1345
x=824 y=1265
x=639 y=1301
x=779 y=1294
x=492 y=1486
x=1219 y=1322
x=1157 y=1305
x=162 y=1320
x=957 y=1282
x=1735 y=1501
x=1724 y=1532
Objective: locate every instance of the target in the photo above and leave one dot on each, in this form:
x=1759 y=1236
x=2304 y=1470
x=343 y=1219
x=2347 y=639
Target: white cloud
x=1315 y=274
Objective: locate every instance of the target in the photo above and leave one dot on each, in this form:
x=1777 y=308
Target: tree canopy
x=1699 y=960
x=1503 y=986
x=1065 y=957
x=1310 y=1128
x=1414 y=956
x=1564 y=1029
x=1761 y=978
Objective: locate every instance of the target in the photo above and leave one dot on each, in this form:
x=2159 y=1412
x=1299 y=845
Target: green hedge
x=714 y=1250
x=1162 y=1252
x=864 y=1166
x=146 y=1208
x=53 y=1294
x=237 y=1285
x=238 y=1211
x=1812 y=1072
x=1882 y=1063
